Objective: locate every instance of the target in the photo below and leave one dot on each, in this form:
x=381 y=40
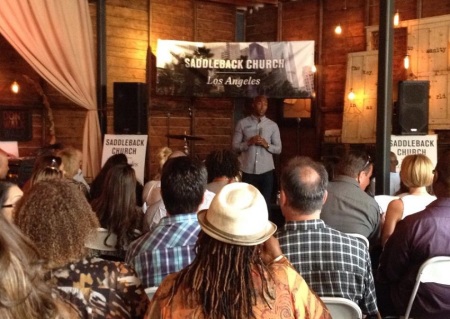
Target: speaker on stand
x=130 y=108
x=411 y=110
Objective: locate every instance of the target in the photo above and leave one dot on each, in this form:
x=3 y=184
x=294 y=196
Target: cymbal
x=185 y=137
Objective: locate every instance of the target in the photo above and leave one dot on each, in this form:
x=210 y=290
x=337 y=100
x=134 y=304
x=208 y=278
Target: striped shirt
x=333 y=264
x=165 y=250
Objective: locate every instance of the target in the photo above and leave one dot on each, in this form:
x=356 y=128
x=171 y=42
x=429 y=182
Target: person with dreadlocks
x=235 y=273
x=223 y=168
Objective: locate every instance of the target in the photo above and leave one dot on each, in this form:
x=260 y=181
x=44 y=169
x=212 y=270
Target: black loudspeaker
x=130 y=108
x=413 y=97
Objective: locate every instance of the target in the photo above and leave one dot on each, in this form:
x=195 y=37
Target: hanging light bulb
x=15 y=87
x=396 y=19
x=351 y=95
x=313 y=69
x=406 y=61
x=338 y=29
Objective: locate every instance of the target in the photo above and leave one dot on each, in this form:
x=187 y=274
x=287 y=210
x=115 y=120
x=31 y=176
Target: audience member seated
x=230 y=277
x=10 y=194
x=157 y=210
x=348 y=208
x=415 y=239
x=170 y=246
x=45 y=167
x=72 y=159
x=99 y=180
x=394 y=178
x=417 y=174
x=4 y=166
x=223 y=168
x=23 y=292
x=334 y=264
x=117 y=211
x=152 y=189
x=59 y=220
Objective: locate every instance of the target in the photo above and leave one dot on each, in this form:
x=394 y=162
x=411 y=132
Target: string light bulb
x=406 y=61
x=396 y=19
x=15 y=87
x=351 y=95
x=338 y=29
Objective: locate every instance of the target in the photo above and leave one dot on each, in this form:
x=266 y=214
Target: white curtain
x=55 y=37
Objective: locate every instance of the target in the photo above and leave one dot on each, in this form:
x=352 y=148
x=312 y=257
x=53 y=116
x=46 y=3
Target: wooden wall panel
x=131 y=28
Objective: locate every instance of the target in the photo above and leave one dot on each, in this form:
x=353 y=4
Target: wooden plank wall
x=210 y=119
x=134 y=25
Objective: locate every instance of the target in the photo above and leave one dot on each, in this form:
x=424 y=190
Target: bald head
x=4 y=168
x=304 y=183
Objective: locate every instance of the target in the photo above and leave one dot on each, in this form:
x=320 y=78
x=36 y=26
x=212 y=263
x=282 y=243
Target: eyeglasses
x=368 y=162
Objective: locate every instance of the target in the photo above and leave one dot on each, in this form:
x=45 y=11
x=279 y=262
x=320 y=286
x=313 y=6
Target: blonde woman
x=416 y=174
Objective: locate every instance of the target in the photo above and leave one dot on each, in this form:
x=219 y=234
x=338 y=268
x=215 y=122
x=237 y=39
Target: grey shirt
x=351 y=210
x=256 y=159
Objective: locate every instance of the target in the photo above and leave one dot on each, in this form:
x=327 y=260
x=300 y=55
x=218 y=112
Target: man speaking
x=256 y=137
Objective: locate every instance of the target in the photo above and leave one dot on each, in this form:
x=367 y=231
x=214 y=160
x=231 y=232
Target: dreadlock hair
x=222 y=163
x=220 y=279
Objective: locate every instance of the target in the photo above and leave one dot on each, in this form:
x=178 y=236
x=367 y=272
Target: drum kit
x=186 y=138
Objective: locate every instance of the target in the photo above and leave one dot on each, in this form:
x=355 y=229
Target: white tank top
x=415 y=203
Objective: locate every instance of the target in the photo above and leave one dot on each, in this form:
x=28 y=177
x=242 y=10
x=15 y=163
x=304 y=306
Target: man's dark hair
x=353 y=163
x=304 y=182
x=222 y=163
x=183 y=181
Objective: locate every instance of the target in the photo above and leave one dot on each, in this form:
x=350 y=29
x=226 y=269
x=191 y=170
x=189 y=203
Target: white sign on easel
x=133 y=146
x=403 y=145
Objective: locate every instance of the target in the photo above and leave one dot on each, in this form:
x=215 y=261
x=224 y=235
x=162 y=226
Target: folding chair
x=341 y=308
x=360 y=237
x=434 y=270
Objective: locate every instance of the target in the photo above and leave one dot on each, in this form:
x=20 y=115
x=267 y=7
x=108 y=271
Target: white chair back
x=360 y=237
x=341 y=308
x=98 y=241
x=435 y=270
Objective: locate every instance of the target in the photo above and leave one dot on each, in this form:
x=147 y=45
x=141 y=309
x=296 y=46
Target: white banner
x=235 y=69
x=403 y=145
x=133 y=146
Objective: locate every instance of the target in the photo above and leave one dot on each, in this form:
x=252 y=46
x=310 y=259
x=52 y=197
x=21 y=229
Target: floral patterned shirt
x=100 y=288
x=293 y=299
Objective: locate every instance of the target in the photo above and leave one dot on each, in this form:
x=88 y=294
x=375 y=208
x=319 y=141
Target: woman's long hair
x=116 y=206
x=220 y=279
x=23 y=293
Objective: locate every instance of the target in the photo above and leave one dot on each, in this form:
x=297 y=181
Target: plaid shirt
x=167 y=249
x=333 y=264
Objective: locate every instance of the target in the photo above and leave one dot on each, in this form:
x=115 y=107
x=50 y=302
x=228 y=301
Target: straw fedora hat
x=237 y=215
